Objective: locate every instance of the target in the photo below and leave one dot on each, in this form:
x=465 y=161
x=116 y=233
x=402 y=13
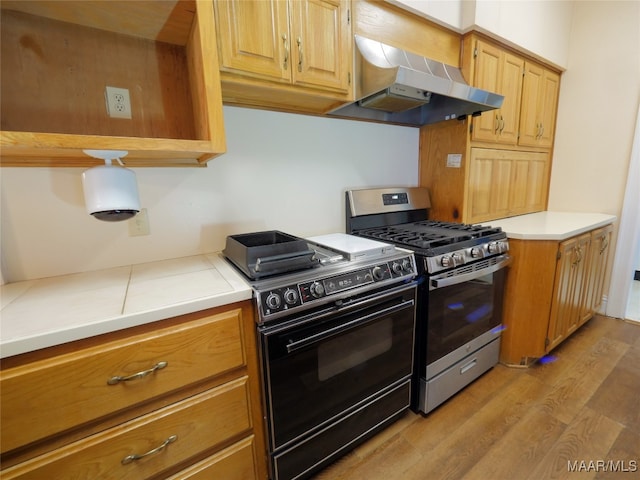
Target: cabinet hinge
x=470 y=127
x=349 y=78
x=348 y=16
x=546 y=342
x=558 y=255
x=475 y=52
x=523 y=71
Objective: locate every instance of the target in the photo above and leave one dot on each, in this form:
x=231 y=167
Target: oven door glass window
x=326 y=367
x=461 y=312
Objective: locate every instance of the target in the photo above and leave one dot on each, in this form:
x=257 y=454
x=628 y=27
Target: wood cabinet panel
x=256 y=38
x=63 y=392
x=232 y=463
x=322 y=45
x=569 y=279
x=504 y=183
x=190 y=421
x=500 y=72
x=539 y=103
x=552 y=289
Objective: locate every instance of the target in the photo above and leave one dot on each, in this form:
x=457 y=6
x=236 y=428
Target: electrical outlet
x=139 y=225
x=118 y=102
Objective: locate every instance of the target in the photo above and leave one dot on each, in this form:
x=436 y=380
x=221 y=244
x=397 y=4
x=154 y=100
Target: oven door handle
x=434 y=283
x=330 y=332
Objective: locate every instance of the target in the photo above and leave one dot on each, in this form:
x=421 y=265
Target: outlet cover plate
x=118 y=102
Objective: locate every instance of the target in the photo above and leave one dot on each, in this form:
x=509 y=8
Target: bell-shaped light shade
x=110 y=192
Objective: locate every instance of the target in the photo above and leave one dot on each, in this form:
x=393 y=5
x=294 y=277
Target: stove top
x=431 y=238
x=400 y=216
x=343 y=266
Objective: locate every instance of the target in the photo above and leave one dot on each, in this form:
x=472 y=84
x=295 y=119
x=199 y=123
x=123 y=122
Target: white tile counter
x=551 y=225
x=41 y=313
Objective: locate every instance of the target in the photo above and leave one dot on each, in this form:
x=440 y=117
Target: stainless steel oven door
x=319 y=366
x=464 y=305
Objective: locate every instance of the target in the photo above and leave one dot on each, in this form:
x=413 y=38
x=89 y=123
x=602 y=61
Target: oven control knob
x=273 y=301
x=290 y=296
x=396 y=267
x=446 y=261
x=406 y=265
x=457 y=259
x=378 y=273
x=496 y=247
x=476 y=252
x=316 y=289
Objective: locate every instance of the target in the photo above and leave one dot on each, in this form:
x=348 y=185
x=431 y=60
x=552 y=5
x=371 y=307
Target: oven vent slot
x=474 y=267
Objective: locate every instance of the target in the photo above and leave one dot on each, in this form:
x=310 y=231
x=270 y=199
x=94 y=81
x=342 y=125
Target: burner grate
x=428 y=234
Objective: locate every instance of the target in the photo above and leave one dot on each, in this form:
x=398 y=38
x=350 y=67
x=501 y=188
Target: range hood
x=400 y=87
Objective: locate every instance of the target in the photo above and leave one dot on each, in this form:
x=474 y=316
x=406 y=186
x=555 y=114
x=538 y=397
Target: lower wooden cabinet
x=198 y=414
x=552 y=289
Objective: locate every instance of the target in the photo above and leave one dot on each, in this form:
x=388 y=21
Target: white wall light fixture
x=110 y=191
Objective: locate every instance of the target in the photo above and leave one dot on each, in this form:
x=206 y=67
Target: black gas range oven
x=335 y=330
x=461 y=285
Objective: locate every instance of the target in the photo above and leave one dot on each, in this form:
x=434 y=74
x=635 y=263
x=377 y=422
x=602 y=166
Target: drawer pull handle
x=117 y=379
x=132 y=458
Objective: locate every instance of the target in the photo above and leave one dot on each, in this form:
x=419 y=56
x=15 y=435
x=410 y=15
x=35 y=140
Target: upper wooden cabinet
x=302 y=49
x=59 y=56
x=539 y=103
x=527 y=116
x=500 y=72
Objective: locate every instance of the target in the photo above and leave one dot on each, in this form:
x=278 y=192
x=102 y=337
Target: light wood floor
x=523 y=424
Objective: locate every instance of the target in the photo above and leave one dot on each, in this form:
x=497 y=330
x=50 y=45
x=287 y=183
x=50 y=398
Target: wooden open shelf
x=58 y=57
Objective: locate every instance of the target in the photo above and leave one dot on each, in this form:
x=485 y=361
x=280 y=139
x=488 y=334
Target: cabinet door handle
x=132 y=458
x=501 y=124
x=117 y=379
x=285 y=41
x=299 y=41
x=497 y=124
x=605 y=244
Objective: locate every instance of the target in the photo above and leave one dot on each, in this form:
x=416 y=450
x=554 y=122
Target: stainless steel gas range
x=461 y=284
x=335 y=330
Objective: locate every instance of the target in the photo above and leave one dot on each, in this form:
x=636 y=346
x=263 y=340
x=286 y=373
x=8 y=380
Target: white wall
x=599 y=97
x=540 y=27
x=281 y=171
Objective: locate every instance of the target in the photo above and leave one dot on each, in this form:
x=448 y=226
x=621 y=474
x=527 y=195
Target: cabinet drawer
x=198 y=423
x=233 y=463
x=66 y=391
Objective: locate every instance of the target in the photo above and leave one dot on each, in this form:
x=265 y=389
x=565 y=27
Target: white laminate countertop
x=36 y=314
x=551 y=225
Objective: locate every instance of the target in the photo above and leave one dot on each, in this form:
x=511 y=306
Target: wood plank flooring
x=551 y=421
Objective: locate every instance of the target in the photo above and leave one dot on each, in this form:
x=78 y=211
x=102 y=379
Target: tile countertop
x=36 y=314
x=551 y=225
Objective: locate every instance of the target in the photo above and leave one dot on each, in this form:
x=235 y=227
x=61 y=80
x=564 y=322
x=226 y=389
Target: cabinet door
x=569 y=278
x=489 y=179
x=600 y=240
x=529 y=183
x=254 y=38
x=548 y=103
x=487 y=77
x=538 y=112
x=321 y=43
x=501 y=72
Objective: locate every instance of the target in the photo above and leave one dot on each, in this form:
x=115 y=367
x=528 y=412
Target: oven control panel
x=285 y=298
